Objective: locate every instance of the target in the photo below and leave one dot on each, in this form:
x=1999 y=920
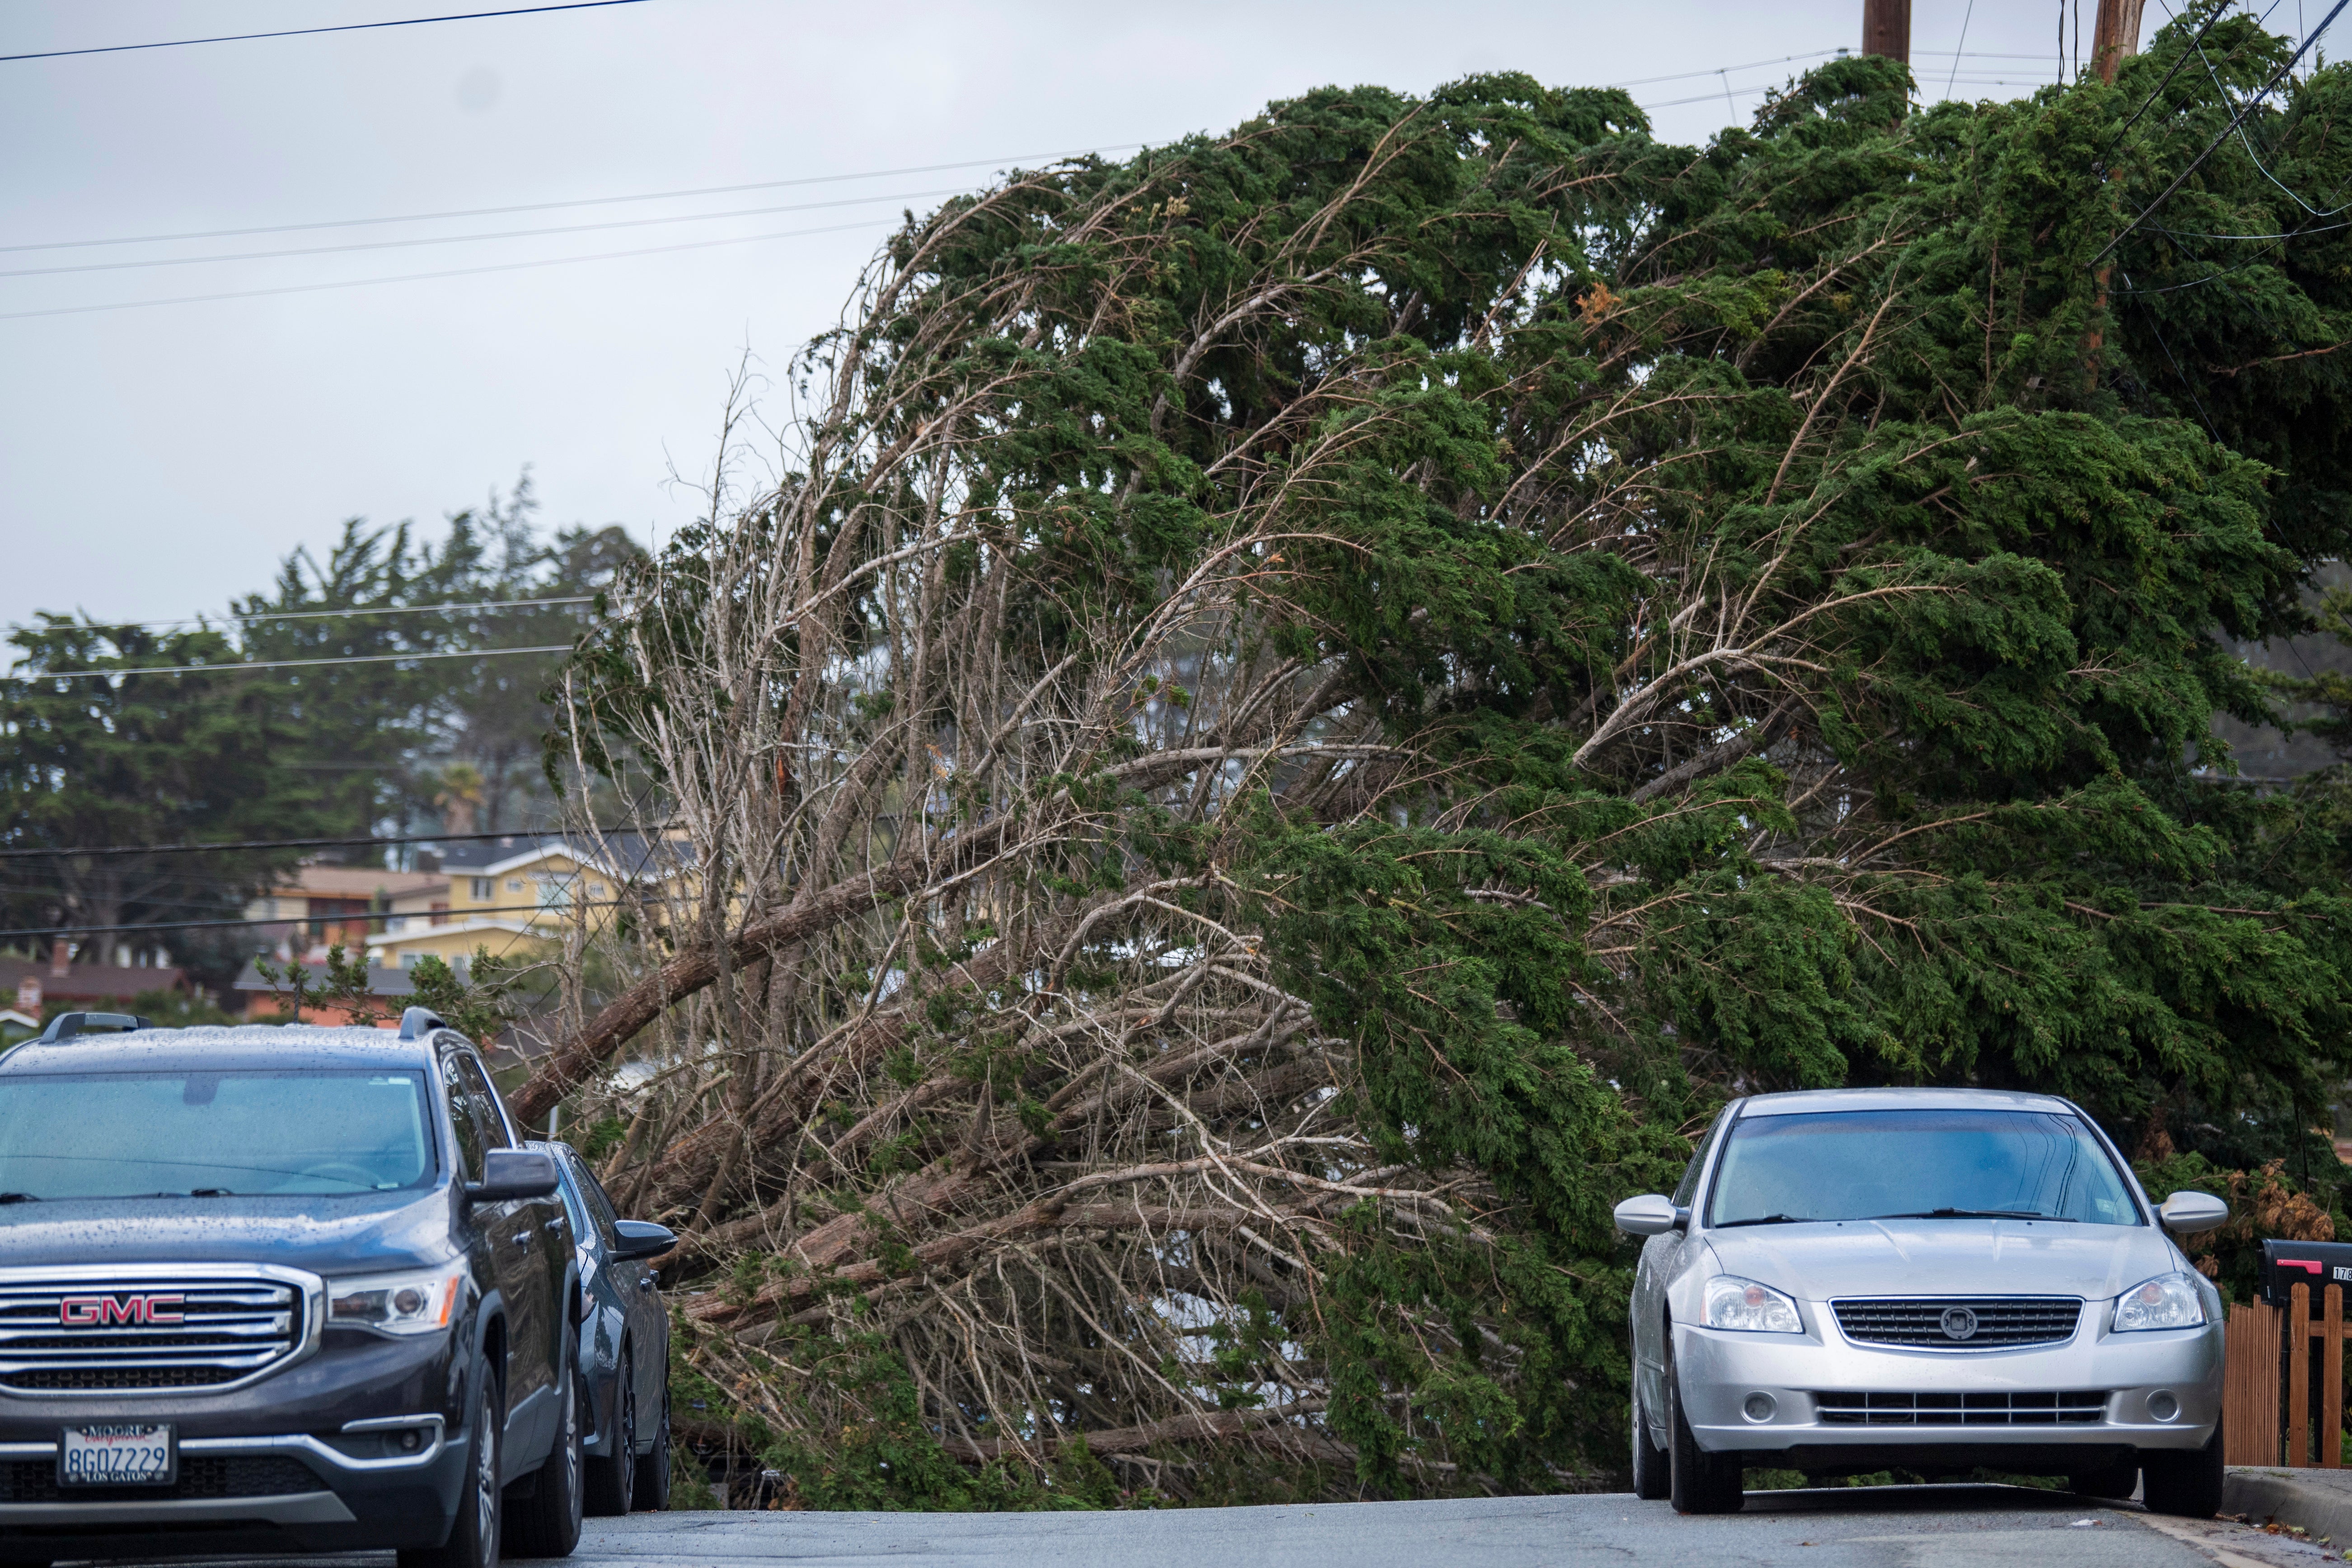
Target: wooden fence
x=2259 y=1366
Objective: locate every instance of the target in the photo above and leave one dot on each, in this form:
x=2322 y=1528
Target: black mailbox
x=2318 y=1264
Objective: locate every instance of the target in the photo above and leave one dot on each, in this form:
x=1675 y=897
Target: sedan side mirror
x=2185 y=1213
x=1652 y=1213
x=642 y=1239
x=513 y=1174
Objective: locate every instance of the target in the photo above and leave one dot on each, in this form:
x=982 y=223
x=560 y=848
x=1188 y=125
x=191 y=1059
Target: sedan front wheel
x=1701 y=1482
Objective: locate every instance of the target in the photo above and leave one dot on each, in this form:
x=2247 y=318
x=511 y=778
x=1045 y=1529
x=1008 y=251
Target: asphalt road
x=1912 y=1527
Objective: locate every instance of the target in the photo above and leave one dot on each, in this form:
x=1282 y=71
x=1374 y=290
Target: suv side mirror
x=2184 y=1213
x=1652 y=1213
x=513 y=1174
x=642 y=1239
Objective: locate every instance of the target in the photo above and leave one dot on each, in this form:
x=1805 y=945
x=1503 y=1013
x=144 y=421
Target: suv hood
x=1945 y=1257
x=354 y=1234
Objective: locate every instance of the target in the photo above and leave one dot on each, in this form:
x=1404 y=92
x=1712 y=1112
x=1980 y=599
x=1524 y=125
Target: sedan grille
x=2081 y=1408
x=149 y=1332
x=1958 y=1323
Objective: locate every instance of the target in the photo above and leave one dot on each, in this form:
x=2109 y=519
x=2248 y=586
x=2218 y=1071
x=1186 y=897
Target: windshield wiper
x=1979 y=1213
x=18 y=1198
x=1763 y=1219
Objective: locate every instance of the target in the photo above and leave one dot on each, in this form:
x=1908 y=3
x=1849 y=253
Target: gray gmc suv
x=280 y=1288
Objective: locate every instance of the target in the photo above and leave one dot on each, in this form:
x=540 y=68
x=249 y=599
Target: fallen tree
x=1294 y=711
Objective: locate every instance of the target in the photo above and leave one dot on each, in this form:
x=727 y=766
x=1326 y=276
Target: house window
x=514 y=884
x=555 y=893
x=482 y=889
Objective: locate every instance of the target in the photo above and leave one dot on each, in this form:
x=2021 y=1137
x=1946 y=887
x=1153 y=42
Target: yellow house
x=511 y=894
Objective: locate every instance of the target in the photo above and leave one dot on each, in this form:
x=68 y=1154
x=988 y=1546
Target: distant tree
x=140 y=759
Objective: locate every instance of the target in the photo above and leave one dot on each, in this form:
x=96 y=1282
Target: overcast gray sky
x=156 y=460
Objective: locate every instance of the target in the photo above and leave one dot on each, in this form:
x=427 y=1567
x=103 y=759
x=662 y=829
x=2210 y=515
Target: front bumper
x=312 y=1459
x=2111 y=1377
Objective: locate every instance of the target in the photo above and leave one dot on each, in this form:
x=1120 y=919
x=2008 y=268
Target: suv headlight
x=414 y=1301
x=1736 y=1304
x=2166 y=1301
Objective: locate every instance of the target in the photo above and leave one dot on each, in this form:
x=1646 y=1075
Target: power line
x=427 y=276
x=272 y=664
x=466 y=238
x=2235 y=121
x=1718 y=70
x=565 y=908
x=243 y=618
x=535 y=835
x=306 y=32
x=553 y=207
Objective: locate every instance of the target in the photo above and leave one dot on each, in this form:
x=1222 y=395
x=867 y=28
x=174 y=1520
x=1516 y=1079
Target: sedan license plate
x=118 y=1453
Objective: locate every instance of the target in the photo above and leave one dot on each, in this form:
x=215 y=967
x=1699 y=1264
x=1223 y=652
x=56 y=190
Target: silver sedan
x=1854 y=1281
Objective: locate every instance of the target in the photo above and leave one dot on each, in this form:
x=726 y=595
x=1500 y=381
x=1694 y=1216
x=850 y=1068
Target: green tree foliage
x=1778 y=588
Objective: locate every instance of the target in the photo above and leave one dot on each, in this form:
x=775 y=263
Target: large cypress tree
x=1772 y=594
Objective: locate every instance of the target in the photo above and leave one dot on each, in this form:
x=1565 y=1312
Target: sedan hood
x=353 y=1235
x=1944 y=1258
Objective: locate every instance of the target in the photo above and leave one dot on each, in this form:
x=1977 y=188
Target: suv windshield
x=1885 y=1164
x=206 y=1134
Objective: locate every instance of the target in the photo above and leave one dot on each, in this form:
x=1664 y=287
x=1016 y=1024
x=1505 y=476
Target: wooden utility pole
x=2117 y=36
x=1886 y=27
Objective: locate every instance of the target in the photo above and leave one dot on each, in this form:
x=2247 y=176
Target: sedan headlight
x=414 y=1301
x=1736 y=1304
x=2166 y=1301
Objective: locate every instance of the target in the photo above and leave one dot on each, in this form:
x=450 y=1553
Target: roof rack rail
x=66 y=1025
x=418 y=1022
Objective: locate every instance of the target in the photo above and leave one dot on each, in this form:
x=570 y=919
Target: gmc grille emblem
x=105 y=1312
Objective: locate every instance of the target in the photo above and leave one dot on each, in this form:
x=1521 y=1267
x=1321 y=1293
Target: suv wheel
x=653 y=1470
x=612 y=1474
x=2183 y=1482
x=548 y=1522
x=474 y=1535
x=1651 y=1481
x=1700 y=1482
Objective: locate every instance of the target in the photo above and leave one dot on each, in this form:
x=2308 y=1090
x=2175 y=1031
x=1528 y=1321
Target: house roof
x=617 y=855
x=356 y=883
x=92 y=982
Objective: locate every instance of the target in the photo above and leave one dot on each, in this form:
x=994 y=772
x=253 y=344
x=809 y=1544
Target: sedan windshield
x=1916 y=1164
x=211 y=1134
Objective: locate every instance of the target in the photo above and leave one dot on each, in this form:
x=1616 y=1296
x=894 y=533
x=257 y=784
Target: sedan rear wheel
x=1701 y=1482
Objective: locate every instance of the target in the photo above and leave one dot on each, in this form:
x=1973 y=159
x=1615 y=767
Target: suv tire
x=1701 y=1482
x=653 y=1467
x=474 y=1535
x=1651 y=1477
x=2183 y=1482
x=612 y=1474
x=548 y=1522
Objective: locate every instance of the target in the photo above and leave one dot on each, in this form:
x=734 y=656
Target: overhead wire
x=306 y=32
x=239 y=668
x=553 y=206
x=145 y=927
x=428 y=276
x=469 y=238
x=242 y=618
x=245 y=846
x=2235 y=121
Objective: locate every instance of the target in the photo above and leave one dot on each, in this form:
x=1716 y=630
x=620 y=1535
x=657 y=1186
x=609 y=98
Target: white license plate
x=119 y=1454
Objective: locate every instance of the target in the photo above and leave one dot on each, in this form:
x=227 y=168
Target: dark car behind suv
x=280 y=1288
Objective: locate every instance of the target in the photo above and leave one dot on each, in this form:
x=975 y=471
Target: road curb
x=2263 y=1494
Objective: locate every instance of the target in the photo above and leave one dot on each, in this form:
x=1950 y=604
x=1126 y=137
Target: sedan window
x=1916 y=1164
